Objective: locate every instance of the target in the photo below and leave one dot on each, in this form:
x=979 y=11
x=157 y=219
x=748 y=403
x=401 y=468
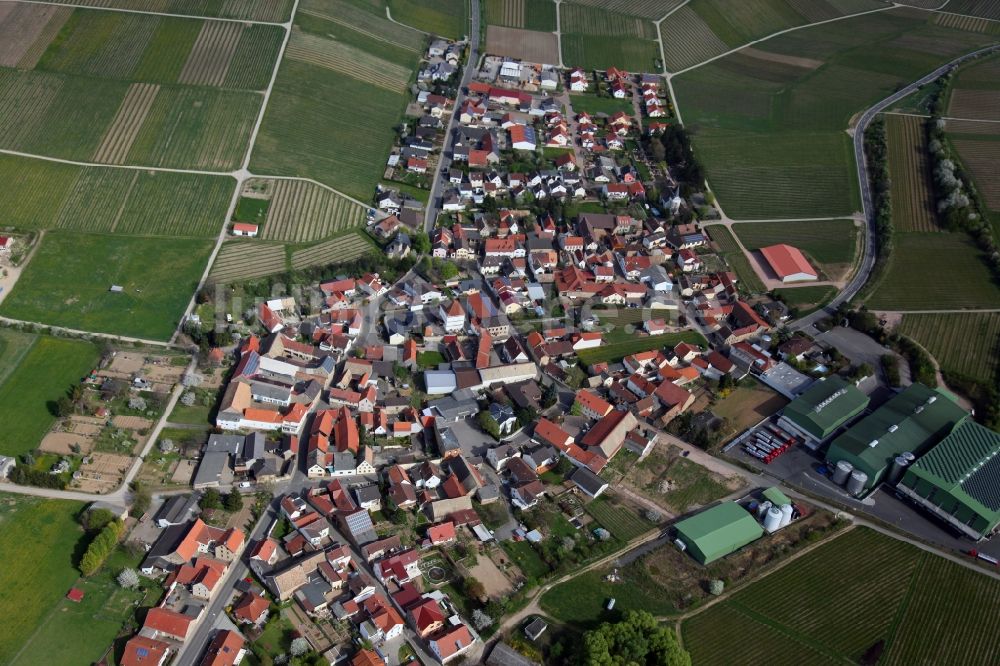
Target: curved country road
x=861 y=276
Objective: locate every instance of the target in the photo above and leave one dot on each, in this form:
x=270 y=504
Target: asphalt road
x=861 y=276
x=434 y=201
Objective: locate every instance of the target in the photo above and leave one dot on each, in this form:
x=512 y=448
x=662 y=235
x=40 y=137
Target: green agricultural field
x=619 y=350
x=246 y=259
x=195 y=128
x=447 y=18
x=526 y=14
x=38 y=542
x=911 y=283
x=917 y=606
x=965 y=344
x=161 y=49
x=340 y=249
x=35 y=380
x=582 y=601
x=806 y=299
x=594 y=104
x=327 y=121
x=41 y=194
x=910 y=174
x=303 y=212
x=14 y=346
x=274 y=11
x=85 y=629
x=832 y=244
x=623 y=523
x=770 y=130
x=67 y=283
x=251 y=209
x=730 y=251
x=597 y=38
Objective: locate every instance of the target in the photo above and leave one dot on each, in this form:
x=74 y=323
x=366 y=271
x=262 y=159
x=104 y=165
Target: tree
x=234 y=501
x=211 y=499
x=448 y=270
x=188 y=399
x=474 y=589
x=97 y=519
x=137 y=403
x=637 y=639
x=716 y=587
x=488 y=425
x=64 y=407
x=128 y=579
x=166 y=445
x=420 y=242
x=299 y=647
x=141 y=499
x=481 y=620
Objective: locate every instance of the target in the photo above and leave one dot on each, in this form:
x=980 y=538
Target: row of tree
x=876 y=156
x=103 y=544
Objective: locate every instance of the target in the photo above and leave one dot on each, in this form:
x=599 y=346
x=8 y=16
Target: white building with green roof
x=959 y=480
x=821 y=409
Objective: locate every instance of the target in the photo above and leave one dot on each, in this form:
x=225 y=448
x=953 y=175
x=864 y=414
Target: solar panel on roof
x=141 y=652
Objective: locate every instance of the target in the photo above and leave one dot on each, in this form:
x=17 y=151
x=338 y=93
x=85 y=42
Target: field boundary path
x=243 y=173
x=144 y=11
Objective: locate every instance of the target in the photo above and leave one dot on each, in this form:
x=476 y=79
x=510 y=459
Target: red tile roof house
x=165 y=623
x=426 y=617
x=251 y=609
x=440 y=534
x=142 y=651
x=226 y=649
x=450 y=642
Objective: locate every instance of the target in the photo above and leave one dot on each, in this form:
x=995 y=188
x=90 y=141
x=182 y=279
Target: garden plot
x=335 y=251
x=341 y=58
x=245 y=260
x=26 y=30
x=528 y=45
x=101 y=472
x=76 y=434
x=302 y=212
x=208 y=62
x=118 y=139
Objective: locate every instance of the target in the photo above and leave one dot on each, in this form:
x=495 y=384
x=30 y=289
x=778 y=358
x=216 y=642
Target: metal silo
x=772 y=519
x=856 y=482
x=897 y=468
x=786 y=514
x=841 y=471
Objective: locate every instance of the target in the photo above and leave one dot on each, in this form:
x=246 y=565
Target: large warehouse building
x=959 y=480
x=825 y=406
x=913 y=420
x=716 y=532
x=788 y=263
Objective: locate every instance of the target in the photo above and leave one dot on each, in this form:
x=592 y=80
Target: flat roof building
x=823 y=408
x=718 y=531
x=914 y=420
x=959 y=480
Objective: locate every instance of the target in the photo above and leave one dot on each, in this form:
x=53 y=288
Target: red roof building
x=788 y=263
x=226 y=649
x=142 y=651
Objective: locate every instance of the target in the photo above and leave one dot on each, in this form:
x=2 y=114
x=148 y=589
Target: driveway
x=862 y=349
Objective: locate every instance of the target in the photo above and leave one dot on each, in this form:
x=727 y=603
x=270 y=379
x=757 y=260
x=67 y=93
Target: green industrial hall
x=822 y=408
x=913 y=420
x=959 y=480
x=718 y=531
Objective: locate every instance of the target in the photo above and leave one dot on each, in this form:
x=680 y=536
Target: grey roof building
x=177 y=510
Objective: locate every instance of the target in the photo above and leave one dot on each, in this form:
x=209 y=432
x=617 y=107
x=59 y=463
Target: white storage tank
x=856 y=483
x=841 y=471
x=772 y=519
x=762 y=509
x=786 y=514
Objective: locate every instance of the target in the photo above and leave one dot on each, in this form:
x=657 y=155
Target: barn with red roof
x=788 y=263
